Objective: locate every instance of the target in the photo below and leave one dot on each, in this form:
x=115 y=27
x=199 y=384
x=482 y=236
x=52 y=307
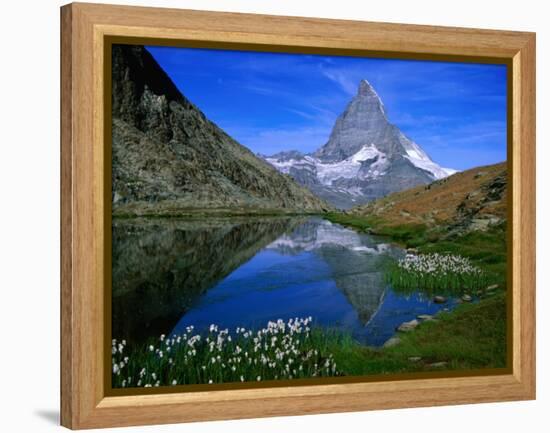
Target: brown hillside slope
x=471 y=200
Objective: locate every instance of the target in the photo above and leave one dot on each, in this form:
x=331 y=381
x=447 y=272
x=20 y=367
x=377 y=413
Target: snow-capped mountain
x=366 y=157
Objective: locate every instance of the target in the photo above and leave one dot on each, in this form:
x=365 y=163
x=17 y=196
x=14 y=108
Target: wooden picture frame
x=85 y=217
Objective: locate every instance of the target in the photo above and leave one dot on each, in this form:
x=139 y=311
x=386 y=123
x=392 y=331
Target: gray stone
x=491 y=287
x=424 y=317
x=414 y=358
x=466 y=298
x=408 y=326
x=393 y=341
x=479 y=224
x=440 y=299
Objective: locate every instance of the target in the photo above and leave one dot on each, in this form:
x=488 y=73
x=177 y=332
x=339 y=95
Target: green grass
x=473 y=336
x=448 y=284
x=485 y=249
x=408 y=235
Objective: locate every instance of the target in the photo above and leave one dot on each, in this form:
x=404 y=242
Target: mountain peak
x=365 y=88
x=365 y=157
x=366 y=93
x=362 y=122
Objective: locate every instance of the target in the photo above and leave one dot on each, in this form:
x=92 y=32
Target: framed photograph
x=265 y=215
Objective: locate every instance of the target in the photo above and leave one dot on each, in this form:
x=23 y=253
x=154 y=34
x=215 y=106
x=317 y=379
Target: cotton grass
x=442 y=272
x=281 y=350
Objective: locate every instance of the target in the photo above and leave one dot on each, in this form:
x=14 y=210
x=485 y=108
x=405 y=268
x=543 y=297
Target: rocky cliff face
x=168 y=157
x=366 y=157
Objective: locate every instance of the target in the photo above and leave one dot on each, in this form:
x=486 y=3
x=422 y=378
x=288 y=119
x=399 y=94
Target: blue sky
x=271 y=102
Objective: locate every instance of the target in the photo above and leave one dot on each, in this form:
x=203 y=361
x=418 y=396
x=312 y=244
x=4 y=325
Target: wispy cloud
x=270 y=141
x=343 y=79
x=259 y=89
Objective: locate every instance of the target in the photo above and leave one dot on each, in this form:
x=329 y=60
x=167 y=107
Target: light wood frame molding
x=84 y=28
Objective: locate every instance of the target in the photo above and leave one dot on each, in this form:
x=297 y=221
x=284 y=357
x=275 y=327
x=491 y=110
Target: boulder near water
x=393 y=341
x=440 y=299
x=408 y=326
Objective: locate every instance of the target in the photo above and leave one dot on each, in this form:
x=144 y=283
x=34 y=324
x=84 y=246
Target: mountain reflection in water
x=169 y=274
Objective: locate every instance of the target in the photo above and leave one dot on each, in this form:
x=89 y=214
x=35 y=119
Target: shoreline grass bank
x=470 y=336
x=485 y=249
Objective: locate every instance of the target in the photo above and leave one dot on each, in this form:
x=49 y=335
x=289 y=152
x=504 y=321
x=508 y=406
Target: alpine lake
x=169 y=274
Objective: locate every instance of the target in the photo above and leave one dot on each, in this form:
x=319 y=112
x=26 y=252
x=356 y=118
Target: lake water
x=169 y=274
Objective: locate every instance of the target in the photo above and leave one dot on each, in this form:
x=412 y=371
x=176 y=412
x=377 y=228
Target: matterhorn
x=366 y=157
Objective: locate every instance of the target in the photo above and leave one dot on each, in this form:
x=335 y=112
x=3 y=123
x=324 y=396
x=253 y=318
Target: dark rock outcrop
x=168 y=157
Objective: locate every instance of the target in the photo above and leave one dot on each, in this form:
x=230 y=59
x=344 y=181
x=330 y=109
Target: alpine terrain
x=366 y=157
x=168 y=158
x=472 y=200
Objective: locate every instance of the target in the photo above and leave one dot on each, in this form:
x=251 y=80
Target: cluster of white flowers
x=281 y=350
x=120 y=360
x=443 y=264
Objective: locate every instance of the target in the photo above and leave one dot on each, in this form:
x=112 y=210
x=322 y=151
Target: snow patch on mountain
x=349 y=168
x=420 y=159
x=284 y=165
x=329 y=172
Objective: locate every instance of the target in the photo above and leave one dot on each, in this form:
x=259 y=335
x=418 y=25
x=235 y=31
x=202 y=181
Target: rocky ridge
x=168 y=157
